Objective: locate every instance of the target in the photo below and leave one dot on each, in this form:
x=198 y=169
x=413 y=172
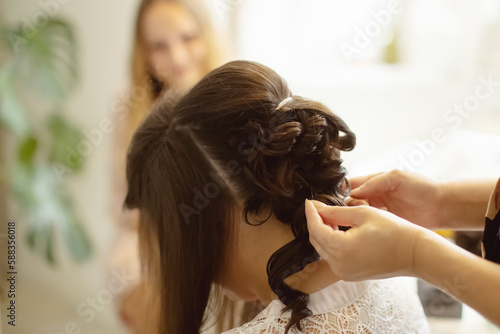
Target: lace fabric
x=349 y=308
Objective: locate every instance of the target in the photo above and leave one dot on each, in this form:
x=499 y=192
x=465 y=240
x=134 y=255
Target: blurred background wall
x=392 y=70
x=48 y=297
x=404 y=75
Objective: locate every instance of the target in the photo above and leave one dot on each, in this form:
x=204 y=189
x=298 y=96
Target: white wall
x=444 y=47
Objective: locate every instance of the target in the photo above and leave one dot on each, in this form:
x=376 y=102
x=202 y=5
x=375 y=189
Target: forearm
x=464 y=203
x=472 y=280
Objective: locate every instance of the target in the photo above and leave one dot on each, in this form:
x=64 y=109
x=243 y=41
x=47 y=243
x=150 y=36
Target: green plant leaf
x=74 y=235
x=47 y=60
x=12 y=113
x=27 y=150
x=49 y=246
x=12 y=39
x=30 y=238
x=43 y=63
x=50 y=209
x=63 y=134
x=77 y=241
x=21 y=182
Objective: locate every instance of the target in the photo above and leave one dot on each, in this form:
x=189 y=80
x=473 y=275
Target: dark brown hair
x=227 y=140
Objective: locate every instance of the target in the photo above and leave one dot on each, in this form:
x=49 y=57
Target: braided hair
x=285 y=153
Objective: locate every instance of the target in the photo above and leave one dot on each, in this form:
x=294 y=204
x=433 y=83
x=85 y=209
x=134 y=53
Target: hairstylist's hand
x=379 y=244
x=410 y=196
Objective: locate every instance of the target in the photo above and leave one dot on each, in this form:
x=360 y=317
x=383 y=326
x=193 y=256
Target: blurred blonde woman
x=175 y=45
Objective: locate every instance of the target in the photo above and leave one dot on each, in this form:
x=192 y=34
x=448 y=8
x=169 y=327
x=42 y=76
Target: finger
x=357 y=181
x=355 y=202
x=312 y=215
x=343 y=215
x=344 y=185
x=378 y=202
x=321 y=251
x=318 y=205
x=376 y=185
x=319 y=232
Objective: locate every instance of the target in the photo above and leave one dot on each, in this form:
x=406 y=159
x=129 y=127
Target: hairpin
x=282 y=103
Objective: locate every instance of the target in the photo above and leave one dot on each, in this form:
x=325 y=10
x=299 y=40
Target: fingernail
x=318 y=205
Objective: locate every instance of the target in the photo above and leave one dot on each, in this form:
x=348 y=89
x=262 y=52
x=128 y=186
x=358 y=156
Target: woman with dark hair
x=220 y=178
x=174 y=45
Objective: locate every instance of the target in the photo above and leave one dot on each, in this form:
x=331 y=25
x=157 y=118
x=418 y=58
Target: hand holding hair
x=381 y=245
x=423 y=201
x=410 y=196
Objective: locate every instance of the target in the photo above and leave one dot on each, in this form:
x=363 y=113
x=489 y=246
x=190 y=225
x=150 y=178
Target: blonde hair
x=141 y=75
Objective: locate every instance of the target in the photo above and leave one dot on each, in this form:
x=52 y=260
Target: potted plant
x=38 y=71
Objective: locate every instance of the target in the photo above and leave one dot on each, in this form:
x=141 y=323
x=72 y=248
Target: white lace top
x=367 y=307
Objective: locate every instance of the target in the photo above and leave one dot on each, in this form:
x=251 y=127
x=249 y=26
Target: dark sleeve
x=490 y=244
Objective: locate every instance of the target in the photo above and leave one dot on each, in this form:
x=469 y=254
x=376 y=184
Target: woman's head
x=174 y=46
x=226 y=151
x=174 y=43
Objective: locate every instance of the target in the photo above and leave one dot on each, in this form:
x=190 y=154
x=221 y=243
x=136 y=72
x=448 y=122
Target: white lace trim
x=349 y=308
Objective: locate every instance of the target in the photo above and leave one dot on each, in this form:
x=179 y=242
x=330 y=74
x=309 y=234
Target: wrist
x=463 y=204
x=446 y=203
x=426 y=244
